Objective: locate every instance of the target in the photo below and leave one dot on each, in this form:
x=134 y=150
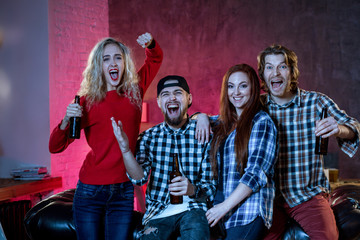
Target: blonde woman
x=103 y=201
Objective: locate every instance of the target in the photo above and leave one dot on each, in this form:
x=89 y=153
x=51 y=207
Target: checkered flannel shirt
x=155 y=148
x=300 y=172
x=258 y=174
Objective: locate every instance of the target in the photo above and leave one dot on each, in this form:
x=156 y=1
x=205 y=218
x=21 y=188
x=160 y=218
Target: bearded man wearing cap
x=154 y=157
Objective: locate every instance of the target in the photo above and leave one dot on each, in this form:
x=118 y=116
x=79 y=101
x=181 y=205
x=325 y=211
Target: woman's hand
x=215 y=213
x=72 y=110
x=132 y=167
x=144 y=40
x=121 y=136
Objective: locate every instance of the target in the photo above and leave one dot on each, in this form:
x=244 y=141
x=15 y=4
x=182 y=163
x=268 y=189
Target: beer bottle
x=75 y=123
x=321 y=145
x=173 y=174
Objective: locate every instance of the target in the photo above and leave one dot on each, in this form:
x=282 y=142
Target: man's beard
x=175 y=121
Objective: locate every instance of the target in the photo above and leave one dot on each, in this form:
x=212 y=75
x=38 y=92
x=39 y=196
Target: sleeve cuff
x=152 y=44
x=197 y=192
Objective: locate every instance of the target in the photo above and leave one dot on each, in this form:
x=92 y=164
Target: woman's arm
x=59 y=139
x=153 y=60
x=218 y=211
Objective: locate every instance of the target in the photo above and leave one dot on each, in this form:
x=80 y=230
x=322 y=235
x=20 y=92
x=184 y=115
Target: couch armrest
x=52 y=218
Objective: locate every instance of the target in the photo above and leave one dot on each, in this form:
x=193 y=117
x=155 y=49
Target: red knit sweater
x=104 y=164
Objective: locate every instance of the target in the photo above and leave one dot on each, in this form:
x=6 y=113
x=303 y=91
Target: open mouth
x=173 y=109
x=114 y=74
x=276 y=84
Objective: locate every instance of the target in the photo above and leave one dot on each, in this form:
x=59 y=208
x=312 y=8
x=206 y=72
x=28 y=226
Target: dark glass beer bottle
x=75 y=123
x=173 y=174
x=321 y=145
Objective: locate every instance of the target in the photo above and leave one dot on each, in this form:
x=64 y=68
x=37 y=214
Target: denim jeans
x=190 y=225
x=103 y=211
x=252 y=231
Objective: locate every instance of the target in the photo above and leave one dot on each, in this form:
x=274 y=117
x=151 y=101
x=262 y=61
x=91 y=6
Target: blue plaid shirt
x=155 y=148
x=300 y=173
x=258 y=174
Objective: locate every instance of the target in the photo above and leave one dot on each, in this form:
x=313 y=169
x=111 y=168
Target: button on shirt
x=258 y=174
x=155 y=148
x=300 y=172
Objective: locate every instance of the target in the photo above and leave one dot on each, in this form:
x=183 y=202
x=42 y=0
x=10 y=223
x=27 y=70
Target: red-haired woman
x=243 y=155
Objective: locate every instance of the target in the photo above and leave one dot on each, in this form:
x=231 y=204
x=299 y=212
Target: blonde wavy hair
x=93 y=85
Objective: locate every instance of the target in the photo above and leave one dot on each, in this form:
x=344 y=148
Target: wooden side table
x=10 y=188
x=341 y=182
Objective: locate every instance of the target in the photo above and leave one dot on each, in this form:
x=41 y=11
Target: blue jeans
x=190 y=225
x=252 y=231
x=103 y=211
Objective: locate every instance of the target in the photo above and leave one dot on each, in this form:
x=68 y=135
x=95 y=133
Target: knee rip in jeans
x=149 y=229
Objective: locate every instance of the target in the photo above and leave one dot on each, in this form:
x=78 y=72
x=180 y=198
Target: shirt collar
x=297 y=100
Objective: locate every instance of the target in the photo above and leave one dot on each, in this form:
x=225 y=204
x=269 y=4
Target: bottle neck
x=324 y=113
x=176 y=166
x=77 y=99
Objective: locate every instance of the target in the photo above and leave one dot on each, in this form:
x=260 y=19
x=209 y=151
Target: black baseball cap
x=175 y=81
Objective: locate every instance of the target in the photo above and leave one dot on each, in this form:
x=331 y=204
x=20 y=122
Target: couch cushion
x=344 y=201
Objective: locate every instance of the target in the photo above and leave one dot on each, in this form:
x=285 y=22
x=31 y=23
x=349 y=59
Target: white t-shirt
x=173 y=209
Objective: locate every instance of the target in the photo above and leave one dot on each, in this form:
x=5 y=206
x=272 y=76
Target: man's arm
x=205 y=187
x=346 y=129
x=345 y=132
x=181 y=186
x=132 y=166
x=329 y=127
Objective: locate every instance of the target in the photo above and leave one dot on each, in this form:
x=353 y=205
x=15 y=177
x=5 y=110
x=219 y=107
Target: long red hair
x=229 y=121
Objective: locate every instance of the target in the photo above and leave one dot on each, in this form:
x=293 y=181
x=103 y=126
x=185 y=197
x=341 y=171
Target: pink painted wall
x=74 y=28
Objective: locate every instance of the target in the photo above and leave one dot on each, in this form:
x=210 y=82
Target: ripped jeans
x=189 y=225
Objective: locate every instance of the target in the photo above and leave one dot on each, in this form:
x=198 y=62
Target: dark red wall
x=202 y=39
